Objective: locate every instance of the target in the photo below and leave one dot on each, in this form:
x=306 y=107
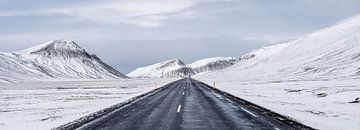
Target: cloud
x=148 y=13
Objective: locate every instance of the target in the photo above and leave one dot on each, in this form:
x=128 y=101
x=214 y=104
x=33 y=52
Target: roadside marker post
x=214 y=84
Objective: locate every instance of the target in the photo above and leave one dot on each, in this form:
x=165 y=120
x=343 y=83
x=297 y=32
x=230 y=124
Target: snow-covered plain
x=45 y=105
x=314 y=79
x=319 y=102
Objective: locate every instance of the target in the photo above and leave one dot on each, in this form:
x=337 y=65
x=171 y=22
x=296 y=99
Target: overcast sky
x=131 y=33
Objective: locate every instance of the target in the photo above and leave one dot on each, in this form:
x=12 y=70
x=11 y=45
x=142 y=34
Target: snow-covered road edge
x=263 y=110
x=91 y=117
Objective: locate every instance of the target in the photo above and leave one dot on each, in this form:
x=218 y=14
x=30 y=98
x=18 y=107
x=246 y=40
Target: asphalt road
x=186 y=104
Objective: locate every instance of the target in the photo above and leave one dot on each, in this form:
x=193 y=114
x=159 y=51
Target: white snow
x=56 y=45
x=177 y=68
x=312 y=79
x=300 y=99
x=212 y=64
x=169 y=68
x=206 y=61
x=45 y=105
x=59 y=59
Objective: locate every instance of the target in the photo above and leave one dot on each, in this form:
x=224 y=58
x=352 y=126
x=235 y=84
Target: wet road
x=186 y=104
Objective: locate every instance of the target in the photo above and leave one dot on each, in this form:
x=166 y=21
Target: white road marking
x=229 y=100
x=277 y=128
x=249 y=112
x=179 y=108
x=183 y=93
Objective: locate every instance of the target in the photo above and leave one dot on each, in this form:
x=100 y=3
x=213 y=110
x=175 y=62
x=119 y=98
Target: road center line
x=276 y=128
x=179 y=108
x=249 y=112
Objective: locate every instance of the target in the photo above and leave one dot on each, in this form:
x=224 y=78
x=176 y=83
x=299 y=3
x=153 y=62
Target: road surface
x=186 y=104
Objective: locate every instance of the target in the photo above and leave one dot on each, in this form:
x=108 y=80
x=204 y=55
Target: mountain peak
x=173 y=62
x=60 y=45
x=211 y=60
x=54 y=59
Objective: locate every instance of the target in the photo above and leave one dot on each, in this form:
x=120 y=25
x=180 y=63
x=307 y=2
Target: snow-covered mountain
x=59 y=59
x=177 y=68
x=331 y=51
x=212 y=64
x=169 y=68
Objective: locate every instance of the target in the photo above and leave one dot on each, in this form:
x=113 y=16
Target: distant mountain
x=333 y=51
x=169 y=68
x=59 y=59
x=212 y=64
x=177 y=68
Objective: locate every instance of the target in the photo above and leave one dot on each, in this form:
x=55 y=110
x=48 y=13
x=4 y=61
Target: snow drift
x=54 y=60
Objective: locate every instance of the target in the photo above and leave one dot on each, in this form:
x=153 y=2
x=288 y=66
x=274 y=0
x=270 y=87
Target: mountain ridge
x=54 y=59
x=177 y=68
x=331 y=51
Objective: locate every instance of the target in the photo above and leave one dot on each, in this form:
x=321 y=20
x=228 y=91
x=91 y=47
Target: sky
x=133 y=33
